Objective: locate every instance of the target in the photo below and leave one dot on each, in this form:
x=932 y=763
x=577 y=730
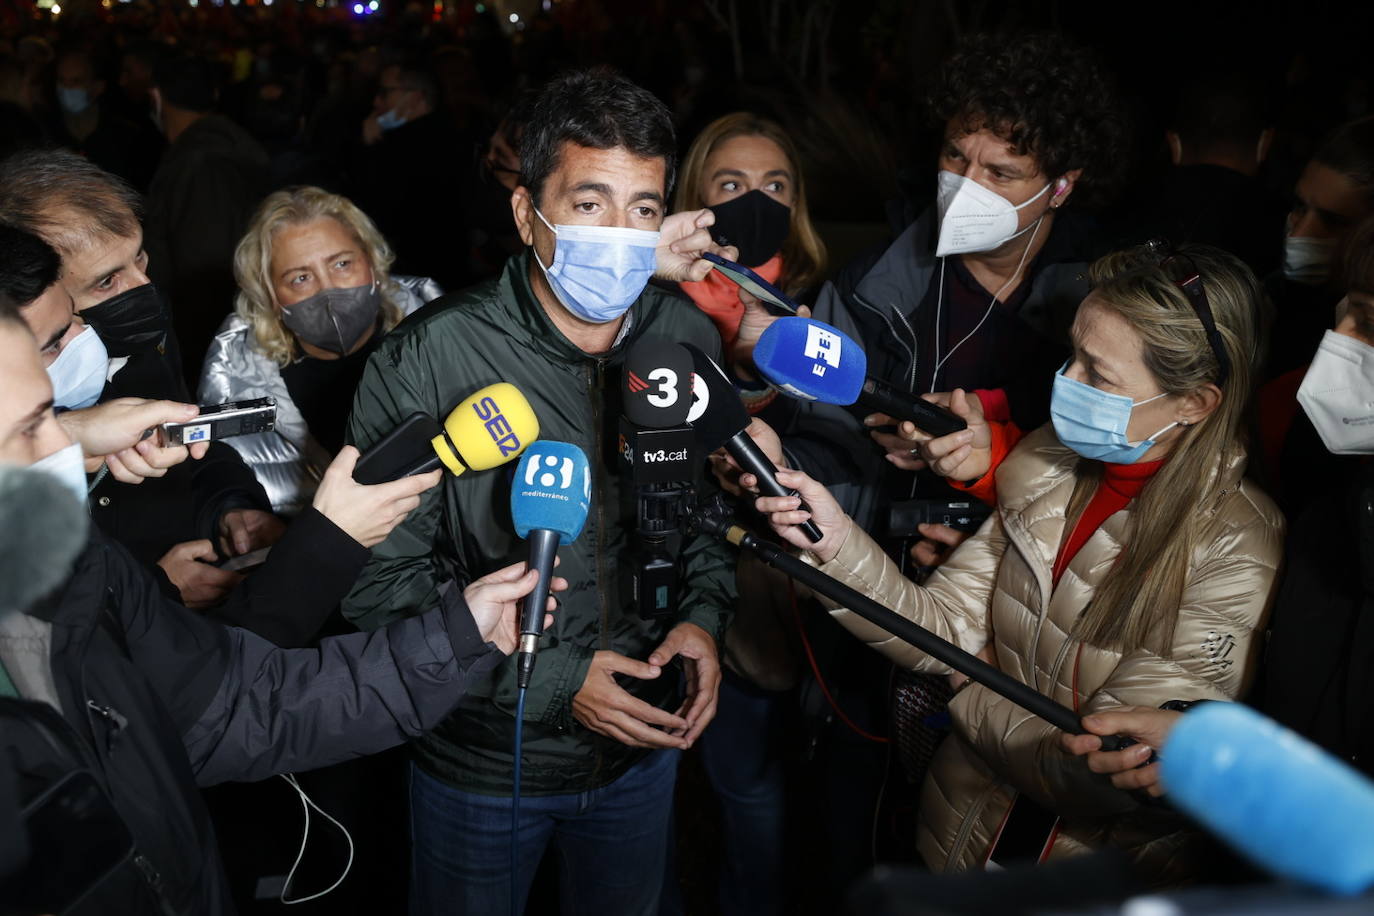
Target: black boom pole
x=711 y=520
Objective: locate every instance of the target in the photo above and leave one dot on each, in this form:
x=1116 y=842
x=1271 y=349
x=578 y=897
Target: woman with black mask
x=315 y=297
x=747 y=171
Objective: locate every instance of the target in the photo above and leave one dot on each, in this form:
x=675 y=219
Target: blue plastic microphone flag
x=1272 y=794
x=811 y=360
x=552 y=490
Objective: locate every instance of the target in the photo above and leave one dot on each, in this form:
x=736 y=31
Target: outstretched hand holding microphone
x=813 y=503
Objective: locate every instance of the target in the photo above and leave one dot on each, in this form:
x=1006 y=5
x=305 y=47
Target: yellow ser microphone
x=489 y=428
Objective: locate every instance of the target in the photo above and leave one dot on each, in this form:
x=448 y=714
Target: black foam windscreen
x=42 y=531
x=656 y=387
x=717 y=413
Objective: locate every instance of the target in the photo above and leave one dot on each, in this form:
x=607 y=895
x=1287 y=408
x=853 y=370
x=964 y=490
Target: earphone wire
x=940 y=296
x=306 y=804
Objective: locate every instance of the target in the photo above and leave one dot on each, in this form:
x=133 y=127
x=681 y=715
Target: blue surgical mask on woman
x=390 y=120
x=599 y=271
x=1093 y=423
x=78 y=373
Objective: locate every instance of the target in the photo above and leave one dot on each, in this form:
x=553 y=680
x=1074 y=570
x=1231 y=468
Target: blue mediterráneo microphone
x=549 y=498
x=813 y=361
x=1281 y=800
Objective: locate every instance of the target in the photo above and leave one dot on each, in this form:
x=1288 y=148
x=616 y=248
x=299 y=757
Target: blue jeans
x=612 y=844
x=742 y=752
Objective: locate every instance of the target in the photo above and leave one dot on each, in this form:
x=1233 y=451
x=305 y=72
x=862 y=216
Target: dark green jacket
x=498 y=332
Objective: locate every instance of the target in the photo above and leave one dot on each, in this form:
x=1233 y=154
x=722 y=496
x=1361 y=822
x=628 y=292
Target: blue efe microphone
x=549 y=498
x=811 y=360
x=1281 y=800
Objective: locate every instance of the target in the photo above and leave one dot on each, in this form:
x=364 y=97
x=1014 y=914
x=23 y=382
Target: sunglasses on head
x=1189 y=279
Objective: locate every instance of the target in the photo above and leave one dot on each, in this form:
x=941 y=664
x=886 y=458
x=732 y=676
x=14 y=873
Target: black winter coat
x=1318 y=674
x=157 y=701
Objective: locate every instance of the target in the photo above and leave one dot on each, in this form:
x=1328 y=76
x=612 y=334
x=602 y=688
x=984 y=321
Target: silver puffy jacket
x=288 y=461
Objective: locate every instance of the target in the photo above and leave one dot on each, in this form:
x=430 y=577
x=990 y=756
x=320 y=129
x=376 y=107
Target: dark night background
x=846 y=77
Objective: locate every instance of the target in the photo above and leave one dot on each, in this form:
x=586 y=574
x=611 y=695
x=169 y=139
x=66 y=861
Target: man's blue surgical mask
x=73 y=101
x=78 y=373
x=599 y=271
x=390 y=120
x=1093 y=423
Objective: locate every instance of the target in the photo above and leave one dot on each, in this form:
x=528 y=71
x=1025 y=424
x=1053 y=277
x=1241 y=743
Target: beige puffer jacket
x=997 y=586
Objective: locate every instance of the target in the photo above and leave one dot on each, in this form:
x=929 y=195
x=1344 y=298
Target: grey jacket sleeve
x=278 y=710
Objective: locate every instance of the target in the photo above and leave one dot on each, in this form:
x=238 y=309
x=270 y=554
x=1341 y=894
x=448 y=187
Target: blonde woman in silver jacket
x=1129 y=563
x=315 y=296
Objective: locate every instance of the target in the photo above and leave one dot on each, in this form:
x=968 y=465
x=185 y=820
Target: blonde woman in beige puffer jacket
x=1165 y=599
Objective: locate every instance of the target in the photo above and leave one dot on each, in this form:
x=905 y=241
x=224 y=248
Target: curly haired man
x=978 y=293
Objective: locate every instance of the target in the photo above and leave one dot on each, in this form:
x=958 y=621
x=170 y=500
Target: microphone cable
x=515 y=805
x=820 y=678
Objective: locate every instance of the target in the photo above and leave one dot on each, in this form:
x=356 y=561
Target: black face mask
x=335 y=319
x=754 y=223
x=135 y=319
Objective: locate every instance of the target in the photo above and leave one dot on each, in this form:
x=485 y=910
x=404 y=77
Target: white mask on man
x=1337 y=394
x=974 y=218
x=1307 y=260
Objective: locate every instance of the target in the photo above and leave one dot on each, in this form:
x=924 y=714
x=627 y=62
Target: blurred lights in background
x=514 y=15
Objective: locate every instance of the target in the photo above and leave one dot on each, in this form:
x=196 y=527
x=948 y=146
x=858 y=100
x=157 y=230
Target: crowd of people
x=1163 y=377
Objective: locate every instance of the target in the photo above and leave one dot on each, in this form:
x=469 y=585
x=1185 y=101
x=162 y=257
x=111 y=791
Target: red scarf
x=719 y=297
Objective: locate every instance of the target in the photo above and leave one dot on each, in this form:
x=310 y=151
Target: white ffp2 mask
x=1337 y=394
x=974 y=218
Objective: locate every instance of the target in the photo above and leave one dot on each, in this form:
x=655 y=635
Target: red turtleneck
x=1120 y=484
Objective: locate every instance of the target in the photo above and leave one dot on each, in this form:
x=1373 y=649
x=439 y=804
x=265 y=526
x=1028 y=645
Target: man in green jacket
x=615 y=697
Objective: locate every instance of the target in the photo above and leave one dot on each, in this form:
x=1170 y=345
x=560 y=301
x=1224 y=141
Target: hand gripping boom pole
x=711 y=519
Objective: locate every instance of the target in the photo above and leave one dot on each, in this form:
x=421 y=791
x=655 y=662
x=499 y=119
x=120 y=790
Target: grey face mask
x=334 y=319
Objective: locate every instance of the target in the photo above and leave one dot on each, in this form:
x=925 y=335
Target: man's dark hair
x=512 y=126
x=66 y=199
x=1042 y=94
x=1357 y=259
x=1222 y=112
x=146 y=51
x=1350 y=150
x=186 y=82
x=28 y=265
x=413 y=74
x=9 y=314
x=600 y=109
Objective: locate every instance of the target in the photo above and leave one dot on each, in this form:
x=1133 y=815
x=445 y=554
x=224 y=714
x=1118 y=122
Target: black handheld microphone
x=719 y=418
x=661 y=453
x=655 y=440
x=658 y=384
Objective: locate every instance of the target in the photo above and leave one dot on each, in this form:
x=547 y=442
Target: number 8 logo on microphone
x=557 y=472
